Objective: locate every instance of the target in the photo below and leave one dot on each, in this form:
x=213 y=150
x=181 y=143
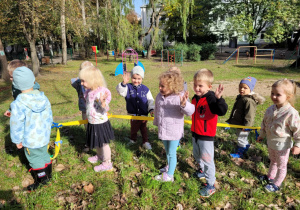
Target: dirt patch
x=261 y=87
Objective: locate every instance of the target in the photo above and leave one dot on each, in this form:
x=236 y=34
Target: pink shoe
x=103 y=167
x=94 y=159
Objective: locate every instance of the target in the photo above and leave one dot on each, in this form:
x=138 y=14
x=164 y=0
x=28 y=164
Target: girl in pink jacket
x=170 y=106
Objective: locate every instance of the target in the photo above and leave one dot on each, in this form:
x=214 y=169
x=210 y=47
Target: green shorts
x=37 y=157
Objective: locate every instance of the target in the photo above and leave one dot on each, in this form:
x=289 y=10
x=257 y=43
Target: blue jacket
x=139 y=100
x=31 y=119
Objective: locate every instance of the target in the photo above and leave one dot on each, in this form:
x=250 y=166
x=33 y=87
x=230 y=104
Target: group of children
x=31 y=119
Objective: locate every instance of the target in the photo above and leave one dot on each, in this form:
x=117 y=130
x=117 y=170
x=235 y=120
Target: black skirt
x=99 y=134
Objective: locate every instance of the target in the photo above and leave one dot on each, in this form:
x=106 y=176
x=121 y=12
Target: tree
x=3 y=64
x=251 y=17
x=63 y=32
x=197 y=27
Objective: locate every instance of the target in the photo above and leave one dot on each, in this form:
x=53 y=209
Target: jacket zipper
x=205 y=126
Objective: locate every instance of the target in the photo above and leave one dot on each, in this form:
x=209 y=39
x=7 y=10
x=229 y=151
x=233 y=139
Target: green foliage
x=183 y=47
x=208 y=51
x=194 y=52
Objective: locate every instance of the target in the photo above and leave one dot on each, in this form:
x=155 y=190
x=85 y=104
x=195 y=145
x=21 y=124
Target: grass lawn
x=131 y=185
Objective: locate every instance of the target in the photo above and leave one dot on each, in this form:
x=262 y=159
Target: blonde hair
x=204 y=75
x=289 y=87
x=15 y=64
x=174 y=81
x=93 y=77
x=85 y=64
x=174 y=68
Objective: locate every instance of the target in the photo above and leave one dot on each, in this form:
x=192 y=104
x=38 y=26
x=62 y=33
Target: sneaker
x=265 y=178
x=272 y=187
x=147 y=145
x=94 y=159
x=207 y=191
x=240 y=152
x=164 y=177
x=199 y=174
x=103 y=167
x=164 y=169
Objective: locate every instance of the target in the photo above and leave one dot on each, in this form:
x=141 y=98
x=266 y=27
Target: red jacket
x=205 y=117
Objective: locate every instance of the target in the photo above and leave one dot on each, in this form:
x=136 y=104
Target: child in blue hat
x=30 y=125
x=243 y=113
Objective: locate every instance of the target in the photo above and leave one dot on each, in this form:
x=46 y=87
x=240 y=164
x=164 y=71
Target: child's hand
x=126 y=77
x=7 y=113
x=152 y=113
x=103 y=98
x=184 y=98
x=295 y=150
x=259 y=139
x=19 y=146
x=219 y=91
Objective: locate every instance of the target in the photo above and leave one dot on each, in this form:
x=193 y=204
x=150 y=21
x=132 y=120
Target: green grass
x=132 y=185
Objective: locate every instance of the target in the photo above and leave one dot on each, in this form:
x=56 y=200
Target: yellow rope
x=129 y=117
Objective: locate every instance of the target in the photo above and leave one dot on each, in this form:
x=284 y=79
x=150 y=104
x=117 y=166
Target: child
x=281 y=123
x=170 y=106
x=15 y=92
x=208 y=106
x=30 y=125
x=76 y=83
x=139 y=102
x=174 y=68
x=99 y=131
x=243 y=113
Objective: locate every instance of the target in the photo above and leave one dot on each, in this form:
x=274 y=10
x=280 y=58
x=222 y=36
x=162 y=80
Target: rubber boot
x=49 y=170
x=40 y=177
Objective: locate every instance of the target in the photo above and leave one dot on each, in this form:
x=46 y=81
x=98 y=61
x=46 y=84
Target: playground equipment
x=172 y=56
x=237 y=52
x=94 y=48
x=113 y=53
x=297 y=53
x=133 y=55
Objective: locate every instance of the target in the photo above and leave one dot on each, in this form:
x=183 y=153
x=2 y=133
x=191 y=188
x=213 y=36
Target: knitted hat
x=23 y=78
x=250 y=81
x=138 y=70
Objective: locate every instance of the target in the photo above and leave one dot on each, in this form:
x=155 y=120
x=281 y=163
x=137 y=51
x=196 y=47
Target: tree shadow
x=10 y=200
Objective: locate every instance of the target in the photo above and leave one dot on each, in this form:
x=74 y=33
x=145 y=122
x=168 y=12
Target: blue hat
x=23 y=78
x=250 y=81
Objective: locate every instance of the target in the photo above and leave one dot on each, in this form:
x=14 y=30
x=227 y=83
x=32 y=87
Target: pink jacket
x=169 y=116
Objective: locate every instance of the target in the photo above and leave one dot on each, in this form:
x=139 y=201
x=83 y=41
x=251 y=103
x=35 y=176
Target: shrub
x=194 y=52
x=179 y=47
x=208 y=50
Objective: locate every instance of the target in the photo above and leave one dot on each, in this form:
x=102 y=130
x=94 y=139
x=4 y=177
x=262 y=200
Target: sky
x=137 y=5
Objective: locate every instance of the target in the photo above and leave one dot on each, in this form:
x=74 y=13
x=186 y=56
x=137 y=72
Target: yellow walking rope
x=58 y=141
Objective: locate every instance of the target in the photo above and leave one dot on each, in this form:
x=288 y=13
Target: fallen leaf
x=238 y=161
x=261 y=206
x=89 y=188
x=289 y=200
x=228 y=206
x=71 y=199
x=59 y=167
x=186 y=175
x=217 y=185
x=179 y=206
x=232 y=174
x=27 y=182
x=223 y=152
x=298 y=184
x=16 y=188
x=61 y=200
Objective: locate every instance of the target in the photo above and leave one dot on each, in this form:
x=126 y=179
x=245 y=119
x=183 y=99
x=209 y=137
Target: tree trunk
x=34 y=59
x=3 y=64
x=154 y=36
x=63 y=33
x=251 y=48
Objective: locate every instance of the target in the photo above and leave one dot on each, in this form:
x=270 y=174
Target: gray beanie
x=138 y=70
x=23 y=78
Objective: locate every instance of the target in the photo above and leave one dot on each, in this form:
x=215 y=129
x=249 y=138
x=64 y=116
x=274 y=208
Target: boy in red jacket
x=208 y=106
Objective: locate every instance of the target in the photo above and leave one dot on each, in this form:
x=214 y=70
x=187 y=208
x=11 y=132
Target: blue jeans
x=171 y=149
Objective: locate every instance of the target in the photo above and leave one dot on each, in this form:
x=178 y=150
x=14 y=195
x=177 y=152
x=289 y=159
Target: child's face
x=279 y=97
x=201 y=87
x=164 y=88
x=136 y=79
x=244 y=89
x=85 y=84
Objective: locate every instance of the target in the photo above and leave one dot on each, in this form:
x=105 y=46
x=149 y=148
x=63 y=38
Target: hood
x=35 y=100
x=255 y=96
